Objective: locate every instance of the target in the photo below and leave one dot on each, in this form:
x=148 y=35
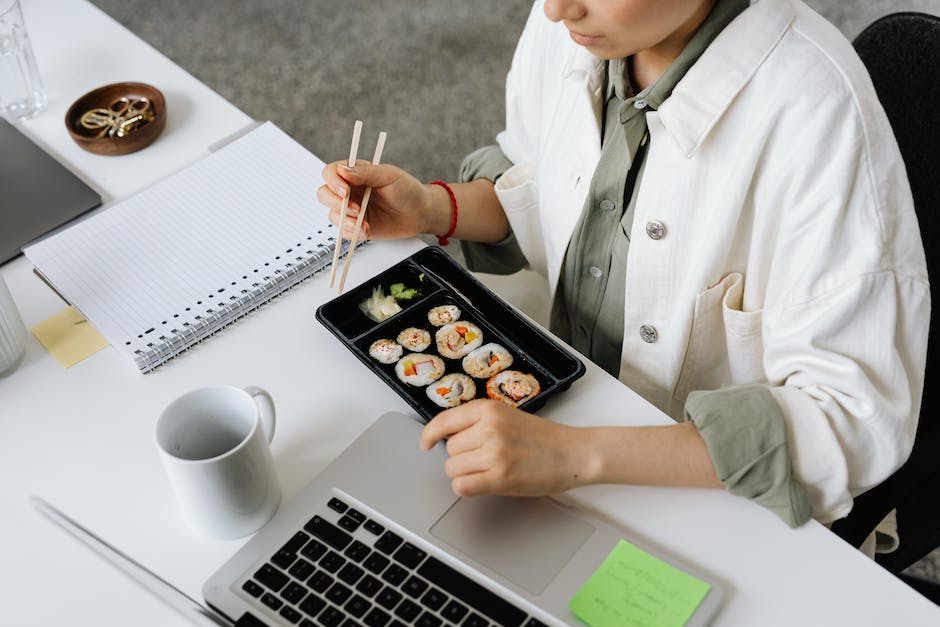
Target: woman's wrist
x=438 y=210
x=674 y=455
x=585 y=462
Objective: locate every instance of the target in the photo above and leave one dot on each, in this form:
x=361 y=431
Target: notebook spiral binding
x=214 y=320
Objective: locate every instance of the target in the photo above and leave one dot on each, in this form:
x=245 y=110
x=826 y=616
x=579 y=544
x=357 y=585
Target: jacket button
x=607 y=204
x=648 y=334
x=655 y=229
x=595 y=272
x=639 y=103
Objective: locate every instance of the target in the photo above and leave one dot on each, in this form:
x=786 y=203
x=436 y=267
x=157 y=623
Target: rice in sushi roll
x=487 y=360
x=458 y=338
x=419 y=369
x=445 y=314
x=452 y=390
x=512 y=387
x=414 y=339
x=385 y=351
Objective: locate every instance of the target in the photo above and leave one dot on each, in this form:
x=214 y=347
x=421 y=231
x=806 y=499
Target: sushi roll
x=414 y=339
x=419 y=369
x=512 y=387
x=385 y=351
x=486 y=361
x=452 y=390
x=445 y=314
x=458 y=338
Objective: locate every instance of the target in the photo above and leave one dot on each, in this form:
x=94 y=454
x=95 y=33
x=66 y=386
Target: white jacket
x=791 y=254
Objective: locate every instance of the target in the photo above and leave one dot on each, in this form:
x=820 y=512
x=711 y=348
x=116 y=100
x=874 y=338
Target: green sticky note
x=633 y=589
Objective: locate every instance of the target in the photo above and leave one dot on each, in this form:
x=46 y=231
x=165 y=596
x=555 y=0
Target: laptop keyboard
x=325 y=577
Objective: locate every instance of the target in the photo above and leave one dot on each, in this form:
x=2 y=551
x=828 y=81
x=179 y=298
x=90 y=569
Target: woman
x=723 y=216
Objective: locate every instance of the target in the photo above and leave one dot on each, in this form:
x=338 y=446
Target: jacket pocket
x=518 y=195
x=726 y=344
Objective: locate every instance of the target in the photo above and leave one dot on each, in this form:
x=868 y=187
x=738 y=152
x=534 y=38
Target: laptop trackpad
x=526 y=540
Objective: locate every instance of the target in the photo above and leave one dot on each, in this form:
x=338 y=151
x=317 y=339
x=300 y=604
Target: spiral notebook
x=170 y=266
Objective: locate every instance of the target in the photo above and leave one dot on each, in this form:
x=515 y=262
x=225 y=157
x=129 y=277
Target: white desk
x=82 y=438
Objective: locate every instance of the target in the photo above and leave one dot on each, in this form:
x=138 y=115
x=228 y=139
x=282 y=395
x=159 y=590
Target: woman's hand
x=498 y=449
x=400 y=205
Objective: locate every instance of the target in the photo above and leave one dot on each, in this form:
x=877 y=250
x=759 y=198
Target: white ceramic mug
x=12 y=332
x=215 y=446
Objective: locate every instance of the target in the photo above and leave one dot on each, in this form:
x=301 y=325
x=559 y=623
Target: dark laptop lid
x=37 y=193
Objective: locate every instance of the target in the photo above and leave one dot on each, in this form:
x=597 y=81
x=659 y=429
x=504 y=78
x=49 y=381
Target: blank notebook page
x=169 y=266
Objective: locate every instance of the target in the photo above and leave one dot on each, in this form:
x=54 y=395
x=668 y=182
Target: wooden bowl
x=107 y=138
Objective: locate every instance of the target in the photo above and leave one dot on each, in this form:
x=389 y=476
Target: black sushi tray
x=442 y=281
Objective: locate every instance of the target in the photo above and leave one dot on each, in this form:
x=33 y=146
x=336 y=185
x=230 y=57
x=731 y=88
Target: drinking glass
x=21 y=92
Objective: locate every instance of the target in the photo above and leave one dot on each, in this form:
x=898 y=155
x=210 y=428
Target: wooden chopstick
x=362 y=213
x=353 y=149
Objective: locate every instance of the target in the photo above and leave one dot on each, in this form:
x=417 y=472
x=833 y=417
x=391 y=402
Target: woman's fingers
x=341 y=180
x=467 y=463
x=334 y=203
x=333 y=181
x=349 y=228
x=448 y=423
x=329 y=198
x=497 y=449
x=484 y=482
x=467 y=440
x=473 y=464
x=339 y=177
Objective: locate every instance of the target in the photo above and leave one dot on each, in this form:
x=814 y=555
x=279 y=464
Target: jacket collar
x=580 y=64
x=726 y=66
x=579 y=61
x=713 y=82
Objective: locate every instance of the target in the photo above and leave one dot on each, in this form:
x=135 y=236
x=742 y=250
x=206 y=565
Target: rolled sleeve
x=505 y=256
x=852 y=361
x=488 y=162
x=746 y=435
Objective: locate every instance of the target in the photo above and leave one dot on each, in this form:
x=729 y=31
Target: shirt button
x=655 y=229
x=595 y=272
x=607 y=204
x=639 y=103
x=648 y=334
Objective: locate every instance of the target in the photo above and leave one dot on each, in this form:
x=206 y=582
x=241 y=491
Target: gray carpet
x=428 y=72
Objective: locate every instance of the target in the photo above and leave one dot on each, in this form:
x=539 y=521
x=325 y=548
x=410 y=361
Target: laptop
x=379 y=538
x=38 y=193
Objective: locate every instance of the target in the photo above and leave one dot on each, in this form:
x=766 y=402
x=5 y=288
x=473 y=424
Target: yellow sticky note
x=634 y=589
x=69 y=337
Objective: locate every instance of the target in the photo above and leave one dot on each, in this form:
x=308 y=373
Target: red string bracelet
x=442 y=239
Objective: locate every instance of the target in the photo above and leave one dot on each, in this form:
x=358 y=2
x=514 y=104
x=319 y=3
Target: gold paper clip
x=121 y=117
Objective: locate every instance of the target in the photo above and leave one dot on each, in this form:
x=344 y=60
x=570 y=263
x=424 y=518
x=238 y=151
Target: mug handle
x=265 y=403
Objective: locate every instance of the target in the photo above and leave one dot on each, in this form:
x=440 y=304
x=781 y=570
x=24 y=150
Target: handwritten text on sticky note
x=633 y=589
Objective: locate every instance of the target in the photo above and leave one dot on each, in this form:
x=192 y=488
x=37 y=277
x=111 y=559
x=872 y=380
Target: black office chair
x=902 y=54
